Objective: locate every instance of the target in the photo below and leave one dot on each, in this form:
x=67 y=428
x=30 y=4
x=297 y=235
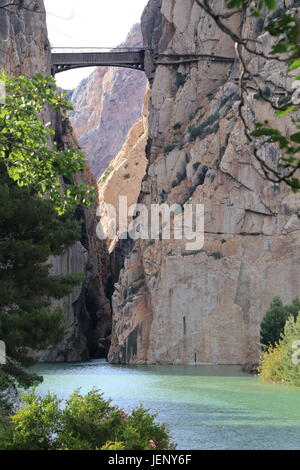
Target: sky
x=89 y=23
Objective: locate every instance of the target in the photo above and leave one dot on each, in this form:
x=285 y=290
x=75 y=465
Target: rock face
x=25 y=50
x=106 y=105
x=124 y=175
x=181 y=307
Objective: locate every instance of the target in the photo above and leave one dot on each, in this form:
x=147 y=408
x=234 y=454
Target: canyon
x=171 y=306
x=178 y=139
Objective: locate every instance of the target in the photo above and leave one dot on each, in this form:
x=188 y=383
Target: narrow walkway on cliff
x=63 y=59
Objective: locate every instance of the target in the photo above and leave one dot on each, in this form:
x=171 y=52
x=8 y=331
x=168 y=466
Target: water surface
x=206 y=407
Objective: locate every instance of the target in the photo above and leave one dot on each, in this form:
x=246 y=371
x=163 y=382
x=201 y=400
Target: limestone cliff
x=171 y=305
x=25 y=50
x=124 y=174
x=106 y=105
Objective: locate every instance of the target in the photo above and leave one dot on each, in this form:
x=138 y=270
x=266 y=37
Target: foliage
x=273 y=323
x=180 y=79
x=271 y=369
x=169 y=148
x=24 y=142
x=216 y=255
x=290 y=342
x=85 y=423
x=30 y=231
x=113 y=446
x=283 y=25
x=106 y=174
x=281 y=363
x=203 y=130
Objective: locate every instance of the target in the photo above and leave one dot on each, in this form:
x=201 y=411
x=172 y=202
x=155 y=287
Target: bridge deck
x=72 y=58
x=62 y=61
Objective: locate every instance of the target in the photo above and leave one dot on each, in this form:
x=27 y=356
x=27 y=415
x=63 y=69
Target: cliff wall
x=181 y=307
x=25 y=49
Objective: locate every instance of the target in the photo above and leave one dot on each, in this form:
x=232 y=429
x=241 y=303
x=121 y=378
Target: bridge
x=63 y=59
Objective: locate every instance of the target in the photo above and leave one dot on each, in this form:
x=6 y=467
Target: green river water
x=206 y=407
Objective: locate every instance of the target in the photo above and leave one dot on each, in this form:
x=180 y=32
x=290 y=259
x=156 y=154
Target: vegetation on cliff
x=38 y=193
x=283 y=25
x=24 y=142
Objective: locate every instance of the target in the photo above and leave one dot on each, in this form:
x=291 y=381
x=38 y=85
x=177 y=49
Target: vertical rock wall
x=180 y=307
x=25 y=49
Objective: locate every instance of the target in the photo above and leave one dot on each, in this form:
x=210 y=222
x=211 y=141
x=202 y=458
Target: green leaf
x=271 y=4
x=285 y=111
x=295 y=137
x=294 y=65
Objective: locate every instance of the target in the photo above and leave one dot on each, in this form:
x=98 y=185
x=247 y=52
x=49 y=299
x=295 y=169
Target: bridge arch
x=63 y=59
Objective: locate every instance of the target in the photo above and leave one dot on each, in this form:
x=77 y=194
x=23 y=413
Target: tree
x=283 y=24
x=30 y=231
x=38 y=193
x=281 y=363
x=290 y=345
x=24 y=143
x=274 y=321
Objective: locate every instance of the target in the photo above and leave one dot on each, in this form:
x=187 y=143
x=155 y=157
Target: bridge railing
x=87 y=50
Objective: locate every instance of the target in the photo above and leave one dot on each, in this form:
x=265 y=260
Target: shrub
x=259 y=27
x=85 y=423
x=169 y=148
x=284 y=100
x=266 y=92
x=180 y=79
x=216 y=254
x=290 y=357
x=273 y=323
x=127 y=176
x=203 y=130
x=106 y=174
x=280 y=363
x=177 y=126
x=194 y=113
x=271 y=368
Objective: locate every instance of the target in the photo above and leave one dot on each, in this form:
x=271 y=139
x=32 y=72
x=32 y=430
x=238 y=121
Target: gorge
x=175 y=307
x=154 y=301
x=153 y=321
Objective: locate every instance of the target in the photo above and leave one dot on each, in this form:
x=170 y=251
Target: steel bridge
x=63 y=59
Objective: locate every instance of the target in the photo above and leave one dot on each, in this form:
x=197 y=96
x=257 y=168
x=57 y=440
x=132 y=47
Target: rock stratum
x=173 y=306
x=25 y=49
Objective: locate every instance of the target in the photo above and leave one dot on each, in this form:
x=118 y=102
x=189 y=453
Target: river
x=206 y=407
